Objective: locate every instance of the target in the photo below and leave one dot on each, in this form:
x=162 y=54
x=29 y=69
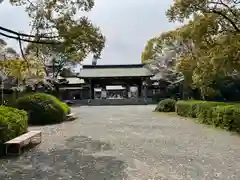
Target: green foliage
x=187 y=108
x=223 y=115
x=218 y=114
x=227 y=117
x=65 y=107
x=205 y=111
x=229 y=88
x=43 y=108
x=213 y=30
x=166 y=105
x=61 y=22
x=227 y=11
x=160 y=55
x=46 y=55
x=16 y=122
x=23 y=71
x=149 y=51
x=15 y=119
x=76 y=41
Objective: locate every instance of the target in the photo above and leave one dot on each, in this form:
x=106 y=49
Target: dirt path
x=128 y=143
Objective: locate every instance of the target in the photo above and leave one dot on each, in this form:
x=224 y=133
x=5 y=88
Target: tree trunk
x=17 y=94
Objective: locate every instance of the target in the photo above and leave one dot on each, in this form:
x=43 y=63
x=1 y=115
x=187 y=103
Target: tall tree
x=2 y=49
x=59 y=23
x=23 y=73
x=161 y=55
x=215 y=39
x=48 y=56
x=148 y=52
x=227 y=10
x=205 y=49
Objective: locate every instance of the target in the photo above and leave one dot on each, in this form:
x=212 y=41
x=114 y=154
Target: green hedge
x=218 y=114
x=166 y=105
x=16 y=122
x=187 y=108
x=227 y=117
x=65 y=107
x=205 y=111
x=43 y=108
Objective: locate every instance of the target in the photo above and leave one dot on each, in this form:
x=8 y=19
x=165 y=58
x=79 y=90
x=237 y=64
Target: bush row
x=218 y=114
x=187 y=108
x=166 y=105
x=43 y=108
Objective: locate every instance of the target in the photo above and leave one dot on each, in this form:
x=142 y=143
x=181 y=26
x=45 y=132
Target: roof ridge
x=113 y=66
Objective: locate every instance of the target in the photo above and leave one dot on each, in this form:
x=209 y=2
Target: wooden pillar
x=104 y=92
x=128 y=91
x=92 y=90
x=81 y=93
x=145 y=90
x=140 y=89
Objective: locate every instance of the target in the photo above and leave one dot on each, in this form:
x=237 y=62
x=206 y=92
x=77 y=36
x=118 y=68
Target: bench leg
x=17 y=146
x=19 y=150
x=40 y=138
x=6 y=150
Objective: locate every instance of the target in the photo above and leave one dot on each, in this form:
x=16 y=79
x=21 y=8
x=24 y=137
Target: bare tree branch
x=227 y=18
x=223 y=4
x=21 y=49
x=27 y=40
x=231 y=10
x=236 y=1
x=26 y=35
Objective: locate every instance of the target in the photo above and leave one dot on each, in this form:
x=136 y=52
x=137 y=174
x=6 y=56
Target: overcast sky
x=127 y=25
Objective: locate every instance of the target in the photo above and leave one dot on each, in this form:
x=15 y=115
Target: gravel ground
x=128 y=143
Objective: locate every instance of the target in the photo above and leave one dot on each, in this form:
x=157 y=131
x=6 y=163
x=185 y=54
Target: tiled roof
x=105 y=71
x=72 y=80
x=75 y=80
x=70 y=88
x=157 y=77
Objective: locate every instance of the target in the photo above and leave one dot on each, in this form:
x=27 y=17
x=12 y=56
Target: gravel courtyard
x=128 y=143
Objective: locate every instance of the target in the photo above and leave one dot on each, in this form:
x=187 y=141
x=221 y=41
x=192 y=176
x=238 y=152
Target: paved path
x=128 y=143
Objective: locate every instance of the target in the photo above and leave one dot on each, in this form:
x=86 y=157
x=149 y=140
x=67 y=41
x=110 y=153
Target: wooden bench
x=14 y=146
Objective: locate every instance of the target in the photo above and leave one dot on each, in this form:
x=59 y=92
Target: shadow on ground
x=87 y=144
x=70 y=162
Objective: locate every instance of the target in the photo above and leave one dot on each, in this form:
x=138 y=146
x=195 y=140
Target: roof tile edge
x=113 y=66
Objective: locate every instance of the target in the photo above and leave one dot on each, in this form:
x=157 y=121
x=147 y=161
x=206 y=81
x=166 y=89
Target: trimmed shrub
x=43 y=108
x=205 y=111
x=65 y=107
x=218 y=114
x=16 y=122
x=166 y=105
x=227 y=117
x=187 y=108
